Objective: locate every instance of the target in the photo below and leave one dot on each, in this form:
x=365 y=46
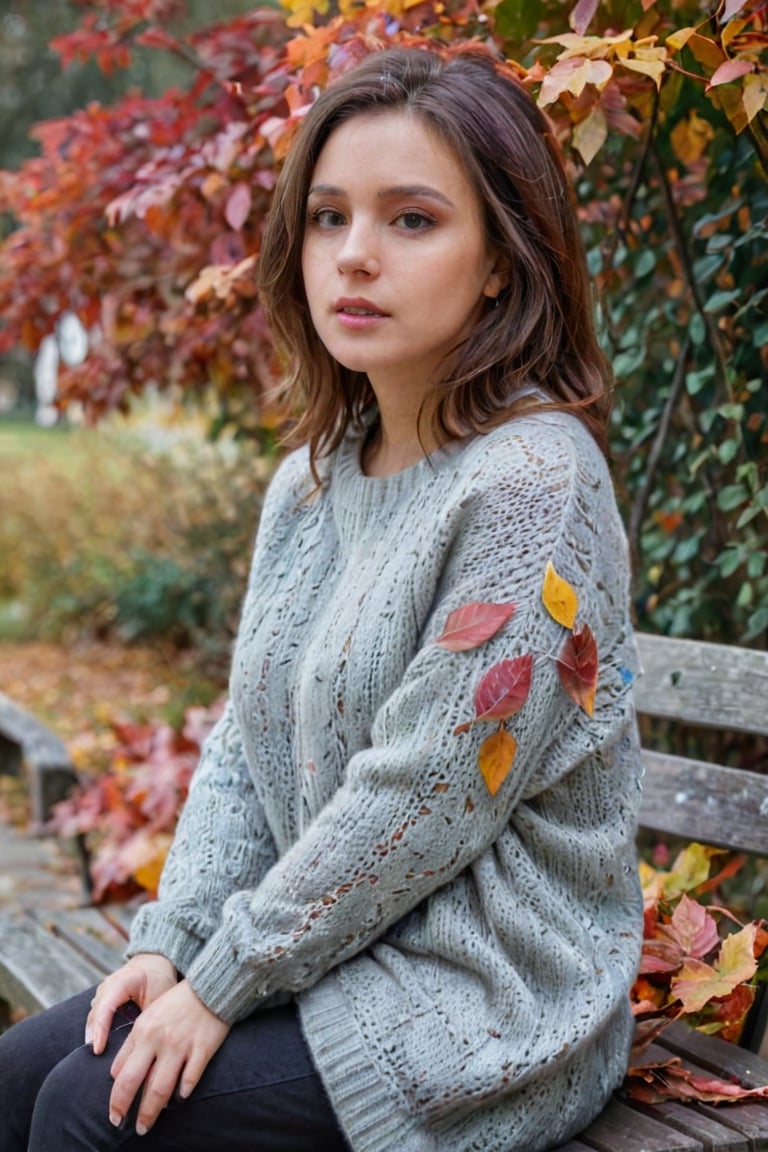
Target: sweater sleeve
x=413 y=810
x=197 y=878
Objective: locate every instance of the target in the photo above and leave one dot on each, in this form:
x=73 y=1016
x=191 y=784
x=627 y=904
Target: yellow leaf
x=146 y=858
x=559 y=597
x=691 y=137
x=650 y=62
x=679 y=39
x=496 y=757
x=652 y=884
x=755 y=93
x=733 y=29
x=590 y=135
x=690 y=869
x=595 y=47
x=303 y=11
x=572 y=75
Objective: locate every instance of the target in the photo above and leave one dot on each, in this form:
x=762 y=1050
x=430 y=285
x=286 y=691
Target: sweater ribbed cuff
x=371 y=1113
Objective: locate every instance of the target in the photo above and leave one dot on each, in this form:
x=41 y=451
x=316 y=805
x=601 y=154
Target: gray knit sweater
x=461 y=959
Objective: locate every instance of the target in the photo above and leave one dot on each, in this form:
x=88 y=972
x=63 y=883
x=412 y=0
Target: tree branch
x=640 y=503
x=681 y=245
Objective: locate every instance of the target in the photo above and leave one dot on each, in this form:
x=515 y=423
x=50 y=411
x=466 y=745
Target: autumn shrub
x=134 y=781
x=104 y=536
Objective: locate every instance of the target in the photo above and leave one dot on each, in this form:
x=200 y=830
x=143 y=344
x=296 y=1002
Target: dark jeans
x=260 y=1092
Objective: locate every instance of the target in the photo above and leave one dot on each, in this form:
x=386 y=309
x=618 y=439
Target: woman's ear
x=498 y=278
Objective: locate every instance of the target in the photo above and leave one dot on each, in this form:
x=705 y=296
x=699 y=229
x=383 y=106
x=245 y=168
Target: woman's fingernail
x=141 y=1129
x=116 y=1119
x=88 y=1034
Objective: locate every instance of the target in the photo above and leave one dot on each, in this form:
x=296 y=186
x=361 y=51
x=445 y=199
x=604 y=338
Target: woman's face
x=395 y=259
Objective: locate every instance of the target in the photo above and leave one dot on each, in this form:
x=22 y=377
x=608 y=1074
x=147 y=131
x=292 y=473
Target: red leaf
x=157 y=38
x=669 y=1080
x=691 y=932
x=582 y=15
x=577 y=666
x=238 y=206
x=504 y=689
x=473 y=624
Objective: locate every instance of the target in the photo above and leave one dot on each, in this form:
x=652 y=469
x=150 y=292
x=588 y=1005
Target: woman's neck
x=400 y=437
x=392 y=447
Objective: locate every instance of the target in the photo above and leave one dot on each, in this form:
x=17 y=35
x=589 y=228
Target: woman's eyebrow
x=325 y=190
x=397 y=190
x=415 y=190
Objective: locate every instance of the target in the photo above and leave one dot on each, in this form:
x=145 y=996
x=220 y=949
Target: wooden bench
x=45 y=956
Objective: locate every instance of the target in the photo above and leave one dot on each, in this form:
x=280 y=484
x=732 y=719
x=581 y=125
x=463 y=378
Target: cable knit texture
x=461 y=960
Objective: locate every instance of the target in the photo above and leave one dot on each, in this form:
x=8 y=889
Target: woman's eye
x=414 y=221
x=326 y=218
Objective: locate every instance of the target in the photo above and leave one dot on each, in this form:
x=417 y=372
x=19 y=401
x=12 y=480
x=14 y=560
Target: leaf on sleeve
x=577 y=666
x=496 y=757
x=504 y=689
x=473 y=624
x=559 y=597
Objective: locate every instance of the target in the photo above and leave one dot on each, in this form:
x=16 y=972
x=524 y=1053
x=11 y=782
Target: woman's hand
x=170 y=1044
x=144 y=978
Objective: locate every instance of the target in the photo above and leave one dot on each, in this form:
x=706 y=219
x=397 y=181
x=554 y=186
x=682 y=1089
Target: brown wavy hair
x=538 y=338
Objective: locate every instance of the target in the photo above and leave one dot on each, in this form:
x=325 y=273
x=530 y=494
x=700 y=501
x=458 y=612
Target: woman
x=401 y=910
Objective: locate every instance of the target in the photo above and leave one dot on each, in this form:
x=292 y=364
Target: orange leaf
x=559 y=597
x=577 y=666
x=496 y=757
x=504 y=689
x=473 y=624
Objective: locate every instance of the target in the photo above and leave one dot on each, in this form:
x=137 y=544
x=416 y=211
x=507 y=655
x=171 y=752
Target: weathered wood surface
x=49 y=955
x=716 y=685
x=26 y=743
x=620 y=1127
x=725 y=807
x=35 y=972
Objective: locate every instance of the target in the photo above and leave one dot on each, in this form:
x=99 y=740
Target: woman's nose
x=359 y=250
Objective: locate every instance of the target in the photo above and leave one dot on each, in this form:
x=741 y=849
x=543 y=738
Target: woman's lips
x=358 y=313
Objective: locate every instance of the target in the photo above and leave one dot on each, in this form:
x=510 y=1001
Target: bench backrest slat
x=725 y=807
x=716 y=685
